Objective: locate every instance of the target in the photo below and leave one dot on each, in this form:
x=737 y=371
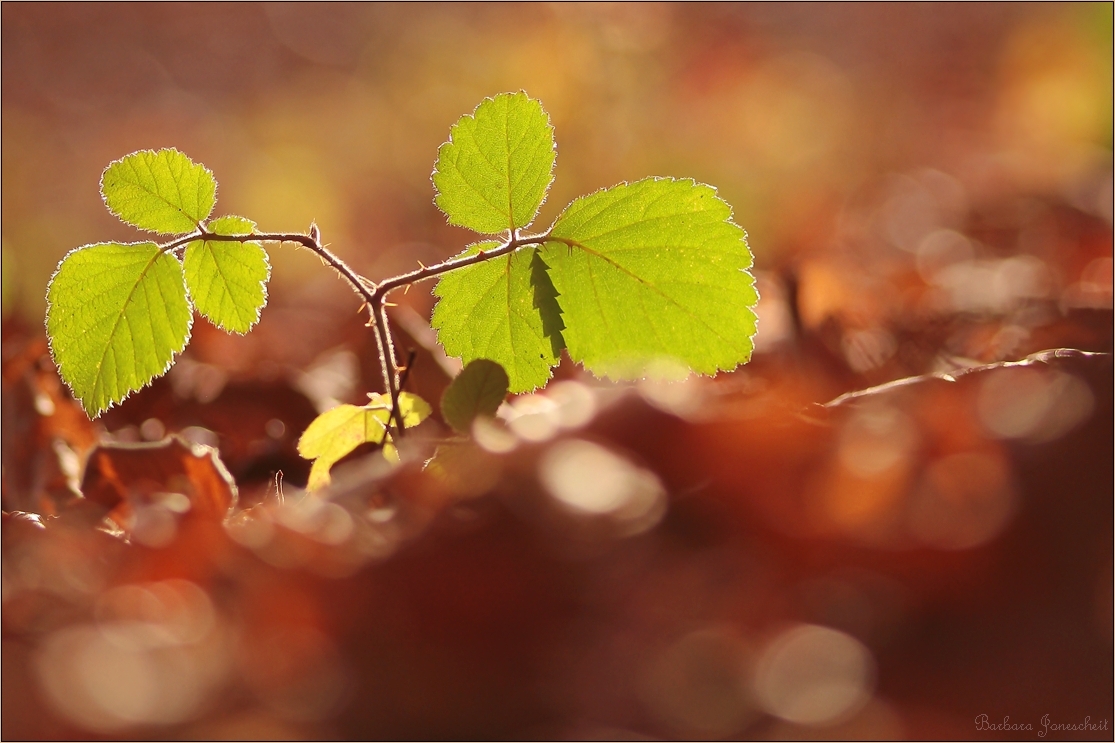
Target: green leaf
x=493 y=173
x=163 y=192
x=478 y=390
x=504 y=310
x=653 y=272
x=336 y=432
x=228 y=280
x=116 y=315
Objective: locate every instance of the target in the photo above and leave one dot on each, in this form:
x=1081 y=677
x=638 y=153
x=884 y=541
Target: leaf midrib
x=138 y=184
x=97 y=379
x=653 y=288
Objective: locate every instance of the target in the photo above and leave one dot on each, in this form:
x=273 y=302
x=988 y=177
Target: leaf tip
x=491 y=175
x=161 y=191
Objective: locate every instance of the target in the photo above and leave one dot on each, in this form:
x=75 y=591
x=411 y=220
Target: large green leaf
x=336 y=432
x=164 y=191
x=478 y=390
x=651 y=272
x=493 y=173
x=228 y=280
x=116 y=316
x=502 y=309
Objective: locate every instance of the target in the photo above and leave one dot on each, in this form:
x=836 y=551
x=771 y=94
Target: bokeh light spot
x=589 y=479
x=700 y=685
x=963 y=501
x=153 y=656
x=1032 y=404
x=814 y=675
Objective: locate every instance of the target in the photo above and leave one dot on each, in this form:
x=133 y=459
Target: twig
x=373 y=294
x=361 y=285
x=396 y=415
x=379 y=295
x=1040 y=357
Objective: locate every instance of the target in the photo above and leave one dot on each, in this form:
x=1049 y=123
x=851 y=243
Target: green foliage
x=649 y=271
x=477 y=391
x=634 y=279
x=163 y=192
x=493 y=173
x=228 y=280
x=497 y=310
x=116 y=316
x=336 y=432
x=631 y=280
x=118 y=313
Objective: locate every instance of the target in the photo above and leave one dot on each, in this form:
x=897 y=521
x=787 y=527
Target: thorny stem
x=360 y=284
x=374 y=294
x=513 y=243
x=387 y=360
x=396 y=413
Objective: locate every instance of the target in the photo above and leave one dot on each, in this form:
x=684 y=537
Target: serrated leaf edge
x=264 y=282
x=449 y=141
x=439 y=329
x=729 y=220
x=197 y=223
x=50 y=340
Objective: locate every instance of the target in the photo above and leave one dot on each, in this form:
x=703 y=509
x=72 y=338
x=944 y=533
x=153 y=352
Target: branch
x=361 y=285
x=379 y=313
x=374 y=295
x=387 y=359
x=428 y=272
x=395 y=411
x=1040 y=357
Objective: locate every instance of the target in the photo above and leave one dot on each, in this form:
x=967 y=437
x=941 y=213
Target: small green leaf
x=116 y=315
x=163 y=192
x=228 y=280
x=493 y=173
x=652 y=272
x=336 y=432
x=502 y=309
x=478 y=390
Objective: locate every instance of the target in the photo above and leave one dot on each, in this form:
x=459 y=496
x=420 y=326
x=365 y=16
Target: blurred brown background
x=811 y=120
x=925 y=187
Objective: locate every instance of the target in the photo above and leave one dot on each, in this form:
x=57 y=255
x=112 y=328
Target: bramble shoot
x=624 y=278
